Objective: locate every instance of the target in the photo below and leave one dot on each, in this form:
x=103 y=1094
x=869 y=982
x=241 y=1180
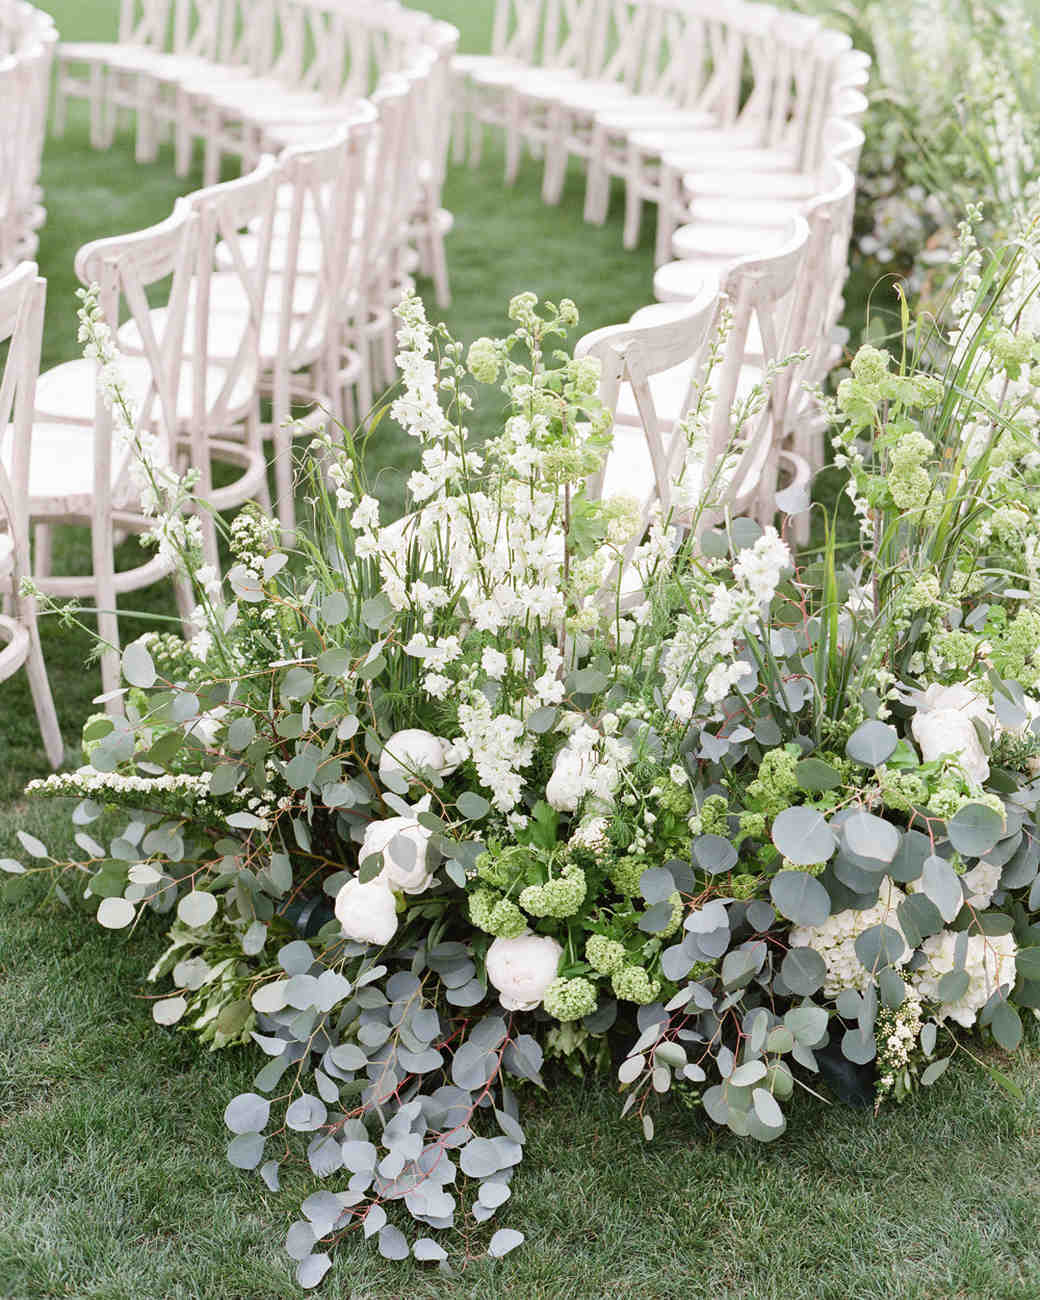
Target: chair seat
x=676 y=139
x=715 y=182
x=61 y=463
x=512 y=72
x=578 y=94
x=684 y=280
x=718 y=158
x=89 y=51
x=66 y=392
x=641 y=115
x=724 y=210
x=703 y=239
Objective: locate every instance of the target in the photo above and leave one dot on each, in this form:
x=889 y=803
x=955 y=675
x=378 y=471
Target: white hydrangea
x=835 y=939
x=989 y=962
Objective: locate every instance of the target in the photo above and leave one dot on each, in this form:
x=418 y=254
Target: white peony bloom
x=681 y=704
x=408 y=752
x=981 y=883
x=951 y=731
x=989 y=962
x=404 y=846
x=367 y=913
x=522 y=969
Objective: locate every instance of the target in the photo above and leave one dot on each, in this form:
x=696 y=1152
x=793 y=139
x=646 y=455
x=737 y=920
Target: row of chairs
x=740 y=122
x=279 y=284
x=27 y=42
x=249 y=77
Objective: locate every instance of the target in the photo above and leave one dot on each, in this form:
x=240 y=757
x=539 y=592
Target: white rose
x=367 y=913
x=403 y=845
x=569 y=780
x=951 y=731
x=409 y=752
x=522 y=969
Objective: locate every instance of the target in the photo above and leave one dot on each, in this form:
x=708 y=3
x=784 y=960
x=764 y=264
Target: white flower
x=567 y=784
x=835 y=939
x=367 y=913
x=989 y=962
x=412 y=751
x=522 y=969
x=494 y=663
x=951 y=731
x=681 y=704
x=403 y=845
x=981 y=883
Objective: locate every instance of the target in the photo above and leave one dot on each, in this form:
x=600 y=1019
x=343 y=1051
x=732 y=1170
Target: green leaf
x=814 y=774
x=953 y=985
x=975 y=829
x=376 y=612
x=334 y=608
x=297 y=684
x=803 y=836
x=942 y=886
x=138 y=668
x=1027 y=963
x=932 y=1072
x=335 y=661
x=240 y=734
x=872 y=743
x=224 y=778
x=879 y=946
x=1006 y=1025
x=714 y=854
x=472 y=806
x=808 y=1024
x=871 y=837
x=803 y=971
x=800 y=897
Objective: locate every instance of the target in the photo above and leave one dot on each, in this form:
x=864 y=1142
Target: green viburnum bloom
x=632 y=984
x=676 y=918
x=496 y=915
x=711 y=817
x=626 y=873
x=483 y=360
x=570 y=999
x=772 y=790
x=752 y=826
x=901 y=791
x=560 y=897
x=604 y=955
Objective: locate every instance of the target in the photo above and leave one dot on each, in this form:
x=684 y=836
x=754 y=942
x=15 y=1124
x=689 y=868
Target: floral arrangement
x=431 y=808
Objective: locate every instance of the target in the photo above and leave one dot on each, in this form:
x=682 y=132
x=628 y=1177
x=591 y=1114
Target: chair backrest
x=618 y=32
x=568 y=33
x=146 y=22
x=517 y=29
x=763 y=289
x=632 y=355
x=224 y=212
x=125 y=267
x=198 y=27
x=22 y=297
x=830 y=218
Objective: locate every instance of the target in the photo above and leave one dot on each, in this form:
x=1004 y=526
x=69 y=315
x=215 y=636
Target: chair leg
x=39 y=685
x=61 y=109
x=439 y=263
x=667 y=205
x=514 y=143
x=98 y=126
x=183 y=147
x=282 y=440
x=102 y=546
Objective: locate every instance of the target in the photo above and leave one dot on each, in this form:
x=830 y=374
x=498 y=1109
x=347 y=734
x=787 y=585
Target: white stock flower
x=367 y=913
x=404 y=845
x=521 y=969
x=411 y=751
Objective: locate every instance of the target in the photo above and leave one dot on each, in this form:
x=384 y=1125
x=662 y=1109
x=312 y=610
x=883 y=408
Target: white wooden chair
x=24 y=95
x=647 y=460
x=654 y=393
x=81 y=470
x=218 y=410
x=83 y=67
x=22 y=295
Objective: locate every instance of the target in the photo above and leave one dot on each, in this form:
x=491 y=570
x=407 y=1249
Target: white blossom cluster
x=835 y=940
x=703 y=649
x=897 y=1032
x=989 y=962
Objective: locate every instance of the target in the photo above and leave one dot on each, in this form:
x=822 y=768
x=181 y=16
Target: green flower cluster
x=559 y=897
x=604 y=955
x=908 y=481
x=632 y=984
x=901 y=791
x=496 y=915
x=711 y=817
x=484 y=360
x=570 y=999
x=774 y=787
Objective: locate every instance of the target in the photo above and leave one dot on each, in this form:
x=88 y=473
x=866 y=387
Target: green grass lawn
x=113 y=1182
